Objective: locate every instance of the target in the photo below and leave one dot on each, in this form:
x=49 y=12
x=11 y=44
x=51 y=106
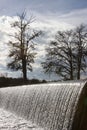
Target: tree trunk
x=78 y=71
x=24 y=69
x=71 y=65
x=71 y=75
x=79 y=55
x=78 y=75
x=79 y=64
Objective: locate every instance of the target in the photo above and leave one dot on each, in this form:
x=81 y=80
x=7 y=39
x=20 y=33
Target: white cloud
x=60 y=21
x=75 y=18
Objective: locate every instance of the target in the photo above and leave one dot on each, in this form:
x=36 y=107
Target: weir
x=55 y=106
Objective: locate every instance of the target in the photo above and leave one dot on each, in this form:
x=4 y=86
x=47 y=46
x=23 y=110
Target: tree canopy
x=22 y=48
x=66 y=55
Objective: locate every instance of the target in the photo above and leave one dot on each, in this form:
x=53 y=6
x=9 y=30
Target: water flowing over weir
x=56 y=106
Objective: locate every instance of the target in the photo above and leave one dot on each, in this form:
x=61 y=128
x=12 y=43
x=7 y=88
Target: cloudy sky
x=50 y=15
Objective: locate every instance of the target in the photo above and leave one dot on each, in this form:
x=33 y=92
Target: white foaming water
x=51 y=106
x=8 y=121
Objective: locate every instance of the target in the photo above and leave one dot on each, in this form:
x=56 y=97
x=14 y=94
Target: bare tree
x=66 y=55
x=22 y=49
x=80 y=39
x=59 y=57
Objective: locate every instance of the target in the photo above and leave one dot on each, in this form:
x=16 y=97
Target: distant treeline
x=6 y=82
